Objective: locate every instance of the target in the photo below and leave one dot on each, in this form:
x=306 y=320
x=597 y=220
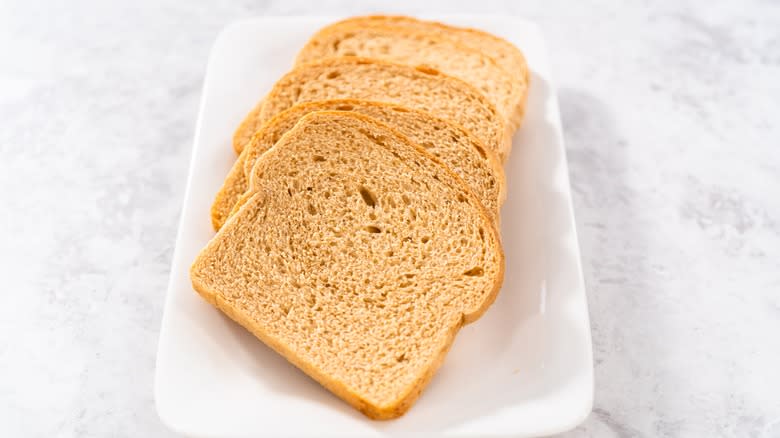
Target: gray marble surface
x=670 y=113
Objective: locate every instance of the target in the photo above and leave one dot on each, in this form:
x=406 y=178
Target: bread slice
x=453 y=145
x=360 y=78
x=358 y=259
x=406 y=45
x=505 y=54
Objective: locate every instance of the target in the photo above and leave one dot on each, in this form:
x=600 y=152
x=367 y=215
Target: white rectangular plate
x=524 y=369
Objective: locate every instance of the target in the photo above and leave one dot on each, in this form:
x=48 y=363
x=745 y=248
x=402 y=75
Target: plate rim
x=576 y=414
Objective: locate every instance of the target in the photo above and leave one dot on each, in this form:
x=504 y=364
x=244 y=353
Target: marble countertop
x=669 y=111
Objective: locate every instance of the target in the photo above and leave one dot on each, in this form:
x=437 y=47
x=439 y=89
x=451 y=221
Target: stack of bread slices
x=358 y=229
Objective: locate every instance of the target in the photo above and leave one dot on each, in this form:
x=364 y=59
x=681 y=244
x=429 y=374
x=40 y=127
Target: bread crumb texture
x=357 y=256
x=418 y=87
x=468 y=157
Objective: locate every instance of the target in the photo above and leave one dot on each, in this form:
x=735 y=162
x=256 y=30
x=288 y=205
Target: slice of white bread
x=453 y=145
x=406 y=45
x=506 y=54
x=358 y=259
x=369 y=79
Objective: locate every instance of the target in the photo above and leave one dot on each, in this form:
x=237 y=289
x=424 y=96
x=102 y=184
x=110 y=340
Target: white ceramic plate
x=524 y=369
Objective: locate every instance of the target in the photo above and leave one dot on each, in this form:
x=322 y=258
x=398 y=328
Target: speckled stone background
x=670 y=111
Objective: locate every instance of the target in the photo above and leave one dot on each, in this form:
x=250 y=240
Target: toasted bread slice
x=407 y=45
x=360 y=78
x=453 y=145
x=505 y=54
x=358 y=259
